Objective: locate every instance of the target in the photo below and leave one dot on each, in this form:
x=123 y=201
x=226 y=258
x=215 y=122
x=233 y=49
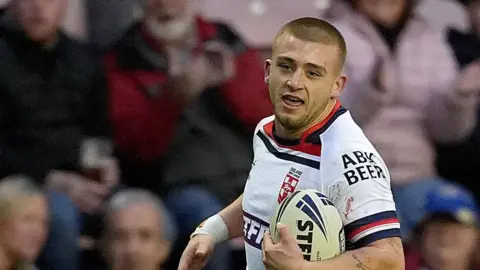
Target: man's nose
x=297 y=81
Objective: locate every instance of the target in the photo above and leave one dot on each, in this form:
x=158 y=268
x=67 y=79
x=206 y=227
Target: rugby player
x=311 y=142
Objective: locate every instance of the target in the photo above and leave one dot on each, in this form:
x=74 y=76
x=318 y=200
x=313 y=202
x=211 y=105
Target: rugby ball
x=314 y=222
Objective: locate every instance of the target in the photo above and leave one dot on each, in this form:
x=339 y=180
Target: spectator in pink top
x=403 y=90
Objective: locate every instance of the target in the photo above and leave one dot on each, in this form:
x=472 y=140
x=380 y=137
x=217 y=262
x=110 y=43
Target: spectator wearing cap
x=447 y=236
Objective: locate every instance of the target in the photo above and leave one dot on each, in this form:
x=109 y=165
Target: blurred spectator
x=447 y=236
x=443 y=14
x=52 y=98
x=136 y=236
x=186 y=95
x=23 y=223
x=460 y=161
x=402 y=92
x=466 y=46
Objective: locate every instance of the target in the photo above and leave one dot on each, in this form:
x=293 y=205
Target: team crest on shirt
x=289 y=184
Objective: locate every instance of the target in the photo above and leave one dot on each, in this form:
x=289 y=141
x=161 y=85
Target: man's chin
x=288 y=120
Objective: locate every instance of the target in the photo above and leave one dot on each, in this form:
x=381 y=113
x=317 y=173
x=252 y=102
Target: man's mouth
x=292 y=100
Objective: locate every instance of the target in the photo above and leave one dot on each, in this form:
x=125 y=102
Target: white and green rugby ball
x=314 y=222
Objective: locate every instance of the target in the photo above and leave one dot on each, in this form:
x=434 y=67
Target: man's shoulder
x=344 y=131
x=264 y=122
x=344 y=136
x=348 y=154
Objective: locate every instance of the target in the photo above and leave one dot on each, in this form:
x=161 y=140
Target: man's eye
x=284 y=66
x=313 y=74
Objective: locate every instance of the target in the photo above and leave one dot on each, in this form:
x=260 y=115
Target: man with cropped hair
x=137 y=234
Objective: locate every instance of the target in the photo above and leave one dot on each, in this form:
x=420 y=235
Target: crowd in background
x=112 y=151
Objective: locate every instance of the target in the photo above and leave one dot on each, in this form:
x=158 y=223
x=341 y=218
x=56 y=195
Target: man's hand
x=197 y=252
x=110 y=173
x=468 y=83
x=285 y=255
x=87 y=194
x=221 y=62
x=190 y=74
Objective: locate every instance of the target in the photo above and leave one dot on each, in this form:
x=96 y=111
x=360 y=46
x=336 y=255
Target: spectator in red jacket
x=448 y=235
x=186 y=95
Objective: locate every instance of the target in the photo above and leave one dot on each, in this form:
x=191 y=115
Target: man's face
x=40 y=19
x=134 y=239
x=302 y=77
x=25 y=230
x=164 y=10
x=384 y=12
x=448 y=243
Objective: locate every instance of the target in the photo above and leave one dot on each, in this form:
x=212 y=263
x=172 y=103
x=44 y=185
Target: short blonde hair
x=12 y=190
x=134 y=196
x=315 y=30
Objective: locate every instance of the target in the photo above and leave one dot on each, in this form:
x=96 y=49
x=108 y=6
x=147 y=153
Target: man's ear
x=268 y=64
x=338 y=86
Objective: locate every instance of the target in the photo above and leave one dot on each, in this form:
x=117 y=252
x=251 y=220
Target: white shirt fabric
x=335 y=158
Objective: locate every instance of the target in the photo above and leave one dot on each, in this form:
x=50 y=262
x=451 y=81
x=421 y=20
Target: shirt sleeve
x=360 y=190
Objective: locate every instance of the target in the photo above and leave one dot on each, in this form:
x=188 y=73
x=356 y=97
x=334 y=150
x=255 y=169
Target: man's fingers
x=97 y=189
x=187 y=258
x=91 y=201
x=202 y=250
x=283 y=233
x=111 y=173
x=88 y=204
x=267 y=240
x=221 y=57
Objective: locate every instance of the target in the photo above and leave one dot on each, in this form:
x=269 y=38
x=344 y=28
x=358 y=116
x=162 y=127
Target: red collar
x=302 y=144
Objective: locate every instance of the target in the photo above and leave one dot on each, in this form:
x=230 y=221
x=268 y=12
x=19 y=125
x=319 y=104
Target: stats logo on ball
x=289 y=184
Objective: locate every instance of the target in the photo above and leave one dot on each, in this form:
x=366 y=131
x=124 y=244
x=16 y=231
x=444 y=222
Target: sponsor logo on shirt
x=253 y=230
x=361 y=166
x=289 y=184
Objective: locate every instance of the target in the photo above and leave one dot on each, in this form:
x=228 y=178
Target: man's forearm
x=232 y=215
x=385 y=254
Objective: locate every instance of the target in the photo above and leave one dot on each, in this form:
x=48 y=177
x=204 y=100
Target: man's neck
x=284 y=133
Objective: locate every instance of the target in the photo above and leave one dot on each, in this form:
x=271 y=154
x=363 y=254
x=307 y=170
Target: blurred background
x=125 y=123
